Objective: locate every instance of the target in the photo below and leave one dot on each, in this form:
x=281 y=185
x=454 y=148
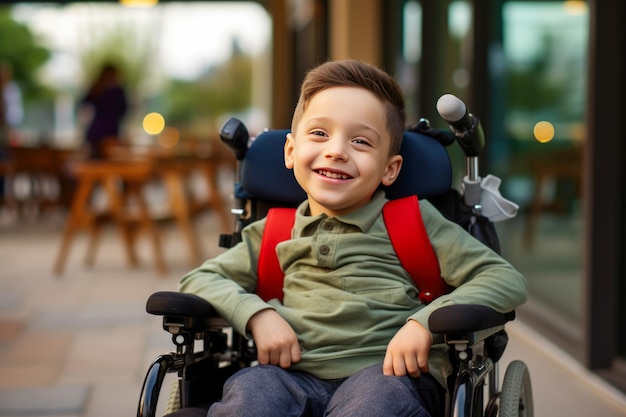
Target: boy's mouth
x=333 y=175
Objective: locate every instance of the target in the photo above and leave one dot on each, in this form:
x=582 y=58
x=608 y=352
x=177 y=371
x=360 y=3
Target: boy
x=350 y=337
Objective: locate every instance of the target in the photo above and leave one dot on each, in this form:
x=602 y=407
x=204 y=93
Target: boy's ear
x=393 y=169
x=289 y=143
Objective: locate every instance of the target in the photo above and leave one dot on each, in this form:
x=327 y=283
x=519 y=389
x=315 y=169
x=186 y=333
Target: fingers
x=262 y=356
x=401 y=365
x=285 y=357
x=407 y=352
x=422 y=362
x=388 y=365
x=282 y=356
x=288 y=356
x=295 y=353
x=411 y=366
x=276 y=356
x=276 y=342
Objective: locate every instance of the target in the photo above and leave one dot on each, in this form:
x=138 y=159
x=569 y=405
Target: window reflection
x=544 y=87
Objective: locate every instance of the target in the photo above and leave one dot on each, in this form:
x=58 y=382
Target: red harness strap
x=278 y=227
x=408 y=238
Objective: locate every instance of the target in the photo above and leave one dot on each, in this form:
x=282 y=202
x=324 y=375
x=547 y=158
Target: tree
x=226 y=88
x=20 y=49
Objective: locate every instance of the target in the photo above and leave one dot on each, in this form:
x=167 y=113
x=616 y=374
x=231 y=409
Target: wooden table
x=120 y=181
x=560 y=166
x=124 y=181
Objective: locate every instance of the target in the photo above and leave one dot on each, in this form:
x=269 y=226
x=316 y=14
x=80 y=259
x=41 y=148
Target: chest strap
x=407 y=232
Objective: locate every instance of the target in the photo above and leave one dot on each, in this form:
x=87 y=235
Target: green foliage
x=226 y=88
x=186 y=104
x=23 y=51
x=530 y=86
x=121 y=44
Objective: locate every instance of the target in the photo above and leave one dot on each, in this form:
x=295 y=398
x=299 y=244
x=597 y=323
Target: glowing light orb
x=544 y=131
x=153 y=123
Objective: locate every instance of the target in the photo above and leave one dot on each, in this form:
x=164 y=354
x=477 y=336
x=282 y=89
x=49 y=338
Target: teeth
x=333 y=175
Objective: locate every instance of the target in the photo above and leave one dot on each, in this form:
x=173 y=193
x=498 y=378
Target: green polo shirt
x=345 y=292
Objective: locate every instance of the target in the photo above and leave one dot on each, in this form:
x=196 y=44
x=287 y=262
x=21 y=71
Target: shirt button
x=328 y=226
x=324 y=249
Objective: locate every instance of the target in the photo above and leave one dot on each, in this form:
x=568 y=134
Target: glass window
x=408 y=65
x=544 y=56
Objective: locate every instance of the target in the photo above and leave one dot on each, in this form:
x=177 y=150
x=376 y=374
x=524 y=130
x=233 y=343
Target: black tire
x=516 y=397
x=152 y=385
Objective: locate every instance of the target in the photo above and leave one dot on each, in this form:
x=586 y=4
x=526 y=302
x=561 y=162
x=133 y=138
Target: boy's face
x=340 y=150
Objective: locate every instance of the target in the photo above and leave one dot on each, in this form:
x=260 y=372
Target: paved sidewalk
x=79 y=345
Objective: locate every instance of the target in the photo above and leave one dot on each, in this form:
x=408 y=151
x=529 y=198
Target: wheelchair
x=207 y=351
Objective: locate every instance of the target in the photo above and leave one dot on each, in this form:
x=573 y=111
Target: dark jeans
x=271 y=391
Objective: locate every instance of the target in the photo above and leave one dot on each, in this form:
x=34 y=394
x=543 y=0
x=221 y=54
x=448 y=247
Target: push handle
x=235 y=135
x=465 y=126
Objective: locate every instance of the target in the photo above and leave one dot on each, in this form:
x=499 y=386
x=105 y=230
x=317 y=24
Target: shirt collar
x=362 y=218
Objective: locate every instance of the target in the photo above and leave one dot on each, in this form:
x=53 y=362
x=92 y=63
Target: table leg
x=92 y=246
x=116 y=206
x=180 y=208
x=147 y=224
x=215 y=197
x=76 y=218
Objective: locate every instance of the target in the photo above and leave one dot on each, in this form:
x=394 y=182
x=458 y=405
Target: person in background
x=11 y=115
x=108 y=103
x=11 y=111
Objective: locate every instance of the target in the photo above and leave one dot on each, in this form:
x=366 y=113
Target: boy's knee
x=263 y=390
x=253 y=376
x=387 y=388
x=256 y=384
x=248 y=392
x=376 y=394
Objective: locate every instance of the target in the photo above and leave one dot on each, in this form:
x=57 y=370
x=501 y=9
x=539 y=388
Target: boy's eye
x=360 y=141
x=318 y=133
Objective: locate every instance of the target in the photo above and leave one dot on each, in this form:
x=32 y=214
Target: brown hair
x=352 y=73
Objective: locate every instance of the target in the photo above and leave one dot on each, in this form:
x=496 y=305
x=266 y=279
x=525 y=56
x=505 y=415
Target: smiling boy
x=350 y=336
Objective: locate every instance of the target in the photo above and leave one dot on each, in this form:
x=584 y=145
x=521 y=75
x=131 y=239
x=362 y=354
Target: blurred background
x=193 y=63
x=544 y=77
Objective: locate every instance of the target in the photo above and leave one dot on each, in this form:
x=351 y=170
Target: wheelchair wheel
x=516 y=398
x=173 y=400
x=152 y=385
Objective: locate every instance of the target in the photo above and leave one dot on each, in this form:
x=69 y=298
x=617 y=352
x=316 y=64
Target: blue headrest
x=426 y=170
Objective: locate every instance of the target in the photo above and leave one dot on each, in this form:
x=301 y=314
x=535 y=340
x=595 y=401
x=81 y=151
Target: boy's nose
x=336 y=149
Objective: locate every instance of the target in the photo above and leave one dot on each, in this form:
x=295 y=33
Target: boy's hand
x=407 y=352
x=276 y=342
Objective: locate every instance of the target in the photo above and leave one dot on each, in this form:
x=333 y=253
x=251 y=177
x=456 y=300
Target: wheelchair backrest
x=426 y=170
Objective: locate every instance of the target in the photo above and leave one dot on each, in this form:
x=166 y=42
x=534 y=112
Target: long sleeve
x=479 y=275
x=228 y=281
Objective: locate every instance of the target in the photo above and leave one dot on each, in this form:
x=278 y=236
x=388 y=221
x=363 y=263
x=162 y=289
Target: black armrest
x=462 y=318
x=171 y=303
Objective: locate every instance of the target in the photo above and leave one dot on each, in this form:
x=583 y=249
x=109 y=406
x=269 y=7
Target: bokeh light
x=153 y=123
x=139 y=3
x=169 y=137
x=544 y=131
x=575 y=7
